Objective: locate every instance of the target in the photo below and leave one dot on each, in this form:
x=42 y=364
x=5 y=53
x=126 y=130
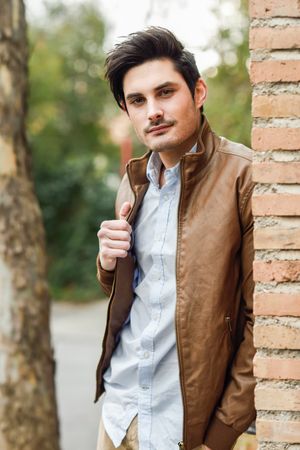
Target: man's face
x=160 y=106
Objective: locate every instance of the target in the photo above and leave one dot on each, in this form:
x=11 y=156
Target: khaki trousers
x=130 y=441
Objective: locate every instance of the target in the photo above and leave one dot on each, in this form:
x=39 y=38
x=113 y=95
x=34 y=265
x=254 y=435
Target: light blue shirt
x=143 y=376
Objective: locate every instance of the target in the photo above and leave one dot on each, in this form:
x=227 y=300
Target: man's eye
x=137 y=101
x=166 y=92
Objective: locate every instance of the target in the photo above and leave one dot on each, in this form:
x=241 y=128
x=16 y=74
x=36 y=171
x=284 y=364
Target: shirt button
x=146 y=355
x=145 y=388
x=155 y=276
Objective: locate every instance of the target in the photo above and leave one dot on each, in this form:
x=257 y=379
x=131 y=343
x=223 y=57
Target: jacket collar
x=207 y=143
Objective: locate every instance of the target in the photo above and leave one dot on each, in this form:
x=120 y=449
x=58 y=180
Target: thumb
x=125 y=208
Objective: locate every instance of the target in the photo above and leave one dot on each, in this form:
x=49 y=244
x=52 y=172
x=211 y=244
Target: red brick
x=278 y=431
x=276 y=205
x=277 y=336
x=276 y=399
x=264 y=139
x=276 y=304
x=277 y=238
x=276 y=368
x=278 y=172
x=274 y=71
x=274 y=38
x=284 y=105
x=274 y=8
x=280 y=271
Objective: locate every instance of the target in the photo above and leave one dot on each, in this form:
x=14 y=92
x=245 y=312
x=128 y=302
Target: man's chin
x=163 y=146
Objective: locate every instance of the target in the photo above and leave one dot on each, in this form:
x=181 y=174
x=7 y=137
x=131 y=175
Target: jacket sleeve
x=236 y=410
x=105 y=277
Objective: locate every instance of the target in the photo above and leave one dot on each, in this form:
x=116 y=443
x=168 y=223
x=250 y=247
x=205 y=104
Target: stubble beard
x=172 y=145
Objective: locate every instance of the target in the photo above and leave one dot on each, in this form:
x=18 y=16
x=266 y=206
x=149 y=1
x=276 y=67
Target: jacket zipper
x=132 y=190
x=181 y=443
x=112 y=292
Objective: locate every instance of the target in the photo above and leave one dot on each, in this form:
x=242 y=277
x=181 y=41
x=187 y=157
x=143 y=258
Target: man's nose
x=154 y=111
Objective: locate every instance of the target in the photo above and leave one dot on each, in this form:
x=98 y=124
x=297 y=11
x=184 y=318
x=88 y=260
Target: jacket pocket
x=229 y=330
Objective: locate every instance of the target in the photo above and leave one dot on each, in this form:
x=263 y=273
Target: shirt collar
x=154 y=167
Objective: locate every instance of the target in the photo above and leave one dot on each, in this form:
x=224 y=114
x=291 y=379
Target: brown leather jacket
x=214 y=317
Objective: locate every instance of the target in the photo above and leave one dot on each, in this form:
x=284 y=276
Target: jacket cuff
x=105 y=277
x=220 y=436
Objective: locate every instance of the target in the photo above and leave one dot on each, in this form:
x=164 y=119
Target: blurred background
x=75 y=130
x=80 y=142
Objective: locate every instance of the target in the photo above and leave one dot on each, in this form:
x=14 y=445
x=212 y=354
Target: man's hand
x=114 y=239
x=204 y=447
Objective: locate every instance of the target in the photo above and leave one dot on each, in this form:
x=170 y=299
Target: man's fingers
x=114 y=238
x=116 y=235
x=124 y=211
x=112 y=253
x=116 y=225
x=109 y=243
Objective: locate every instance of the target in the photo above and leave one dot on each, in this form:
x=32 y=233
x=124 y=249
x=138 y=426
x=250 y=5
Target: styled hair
x=152 y=43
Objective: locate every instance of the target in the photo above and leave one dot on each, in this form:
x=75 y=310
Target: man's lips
x=161 y=127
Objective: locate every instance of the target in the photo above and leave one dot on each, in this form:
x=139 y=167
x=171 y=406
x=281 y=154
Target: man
x=176 y=365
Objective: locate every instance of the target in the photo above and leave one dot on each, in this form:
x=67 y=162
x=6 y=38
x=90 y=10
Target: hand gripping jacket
x=214 y=304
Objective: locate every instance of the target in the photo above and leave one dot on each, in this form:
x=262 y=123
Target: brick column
x=275 y=75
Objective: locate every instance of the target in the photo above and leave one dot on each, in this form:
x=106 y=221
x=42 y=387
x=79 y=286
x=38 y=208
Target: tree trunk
x=28 y=418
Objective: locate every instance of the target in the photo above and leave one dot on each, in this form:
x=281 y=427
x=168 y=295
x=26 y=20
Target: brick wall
x=275 y=75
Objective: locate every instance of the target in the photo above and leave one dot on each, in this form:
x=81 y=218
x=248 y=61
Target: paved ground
x=77 y=332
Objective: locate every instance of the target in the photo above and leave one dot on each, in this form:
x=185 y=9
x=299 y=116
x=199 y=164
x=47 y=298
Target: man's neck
x=170 y=158
x=172 y=163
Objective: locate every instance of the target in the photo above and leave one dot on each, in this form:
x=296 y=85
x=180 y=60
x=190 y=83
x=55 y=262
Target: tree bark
x=28 y=417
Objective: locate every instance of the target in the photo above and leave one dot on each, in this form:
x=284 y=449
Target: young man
x=176 y=365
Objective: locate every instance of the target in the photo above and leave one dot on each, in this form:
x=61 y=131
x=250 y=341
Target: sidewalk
x=77 y=332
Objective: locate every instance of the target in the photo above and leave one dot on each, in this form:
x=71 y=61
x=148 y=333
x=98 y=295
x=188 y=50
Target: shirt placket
x=147 y=343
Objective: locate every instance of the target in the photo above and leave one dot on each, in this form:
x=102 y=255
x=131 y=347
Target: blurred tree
x=27 y=400
x=228 y=106
x=74 y=158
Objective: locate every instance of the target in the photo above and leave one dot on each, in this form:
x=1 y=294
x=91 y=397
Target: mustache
x=157 y=123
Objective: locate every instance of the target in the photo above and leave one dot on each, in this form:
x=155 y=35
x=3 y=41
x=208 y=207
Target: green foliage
x=229 y=97
x=73 y=157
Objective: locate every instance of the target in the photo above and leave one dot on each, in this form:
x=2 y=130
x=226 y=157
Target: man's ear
x=200 y=93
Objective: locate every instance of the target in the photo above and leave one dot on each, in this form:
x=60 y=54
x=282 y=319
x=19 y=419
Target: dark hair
x=142 y=46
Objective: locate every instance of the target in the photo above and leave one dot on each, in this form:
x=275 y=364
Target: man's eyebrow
x=133 y=95
x=166 y=84
x=157 y=88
